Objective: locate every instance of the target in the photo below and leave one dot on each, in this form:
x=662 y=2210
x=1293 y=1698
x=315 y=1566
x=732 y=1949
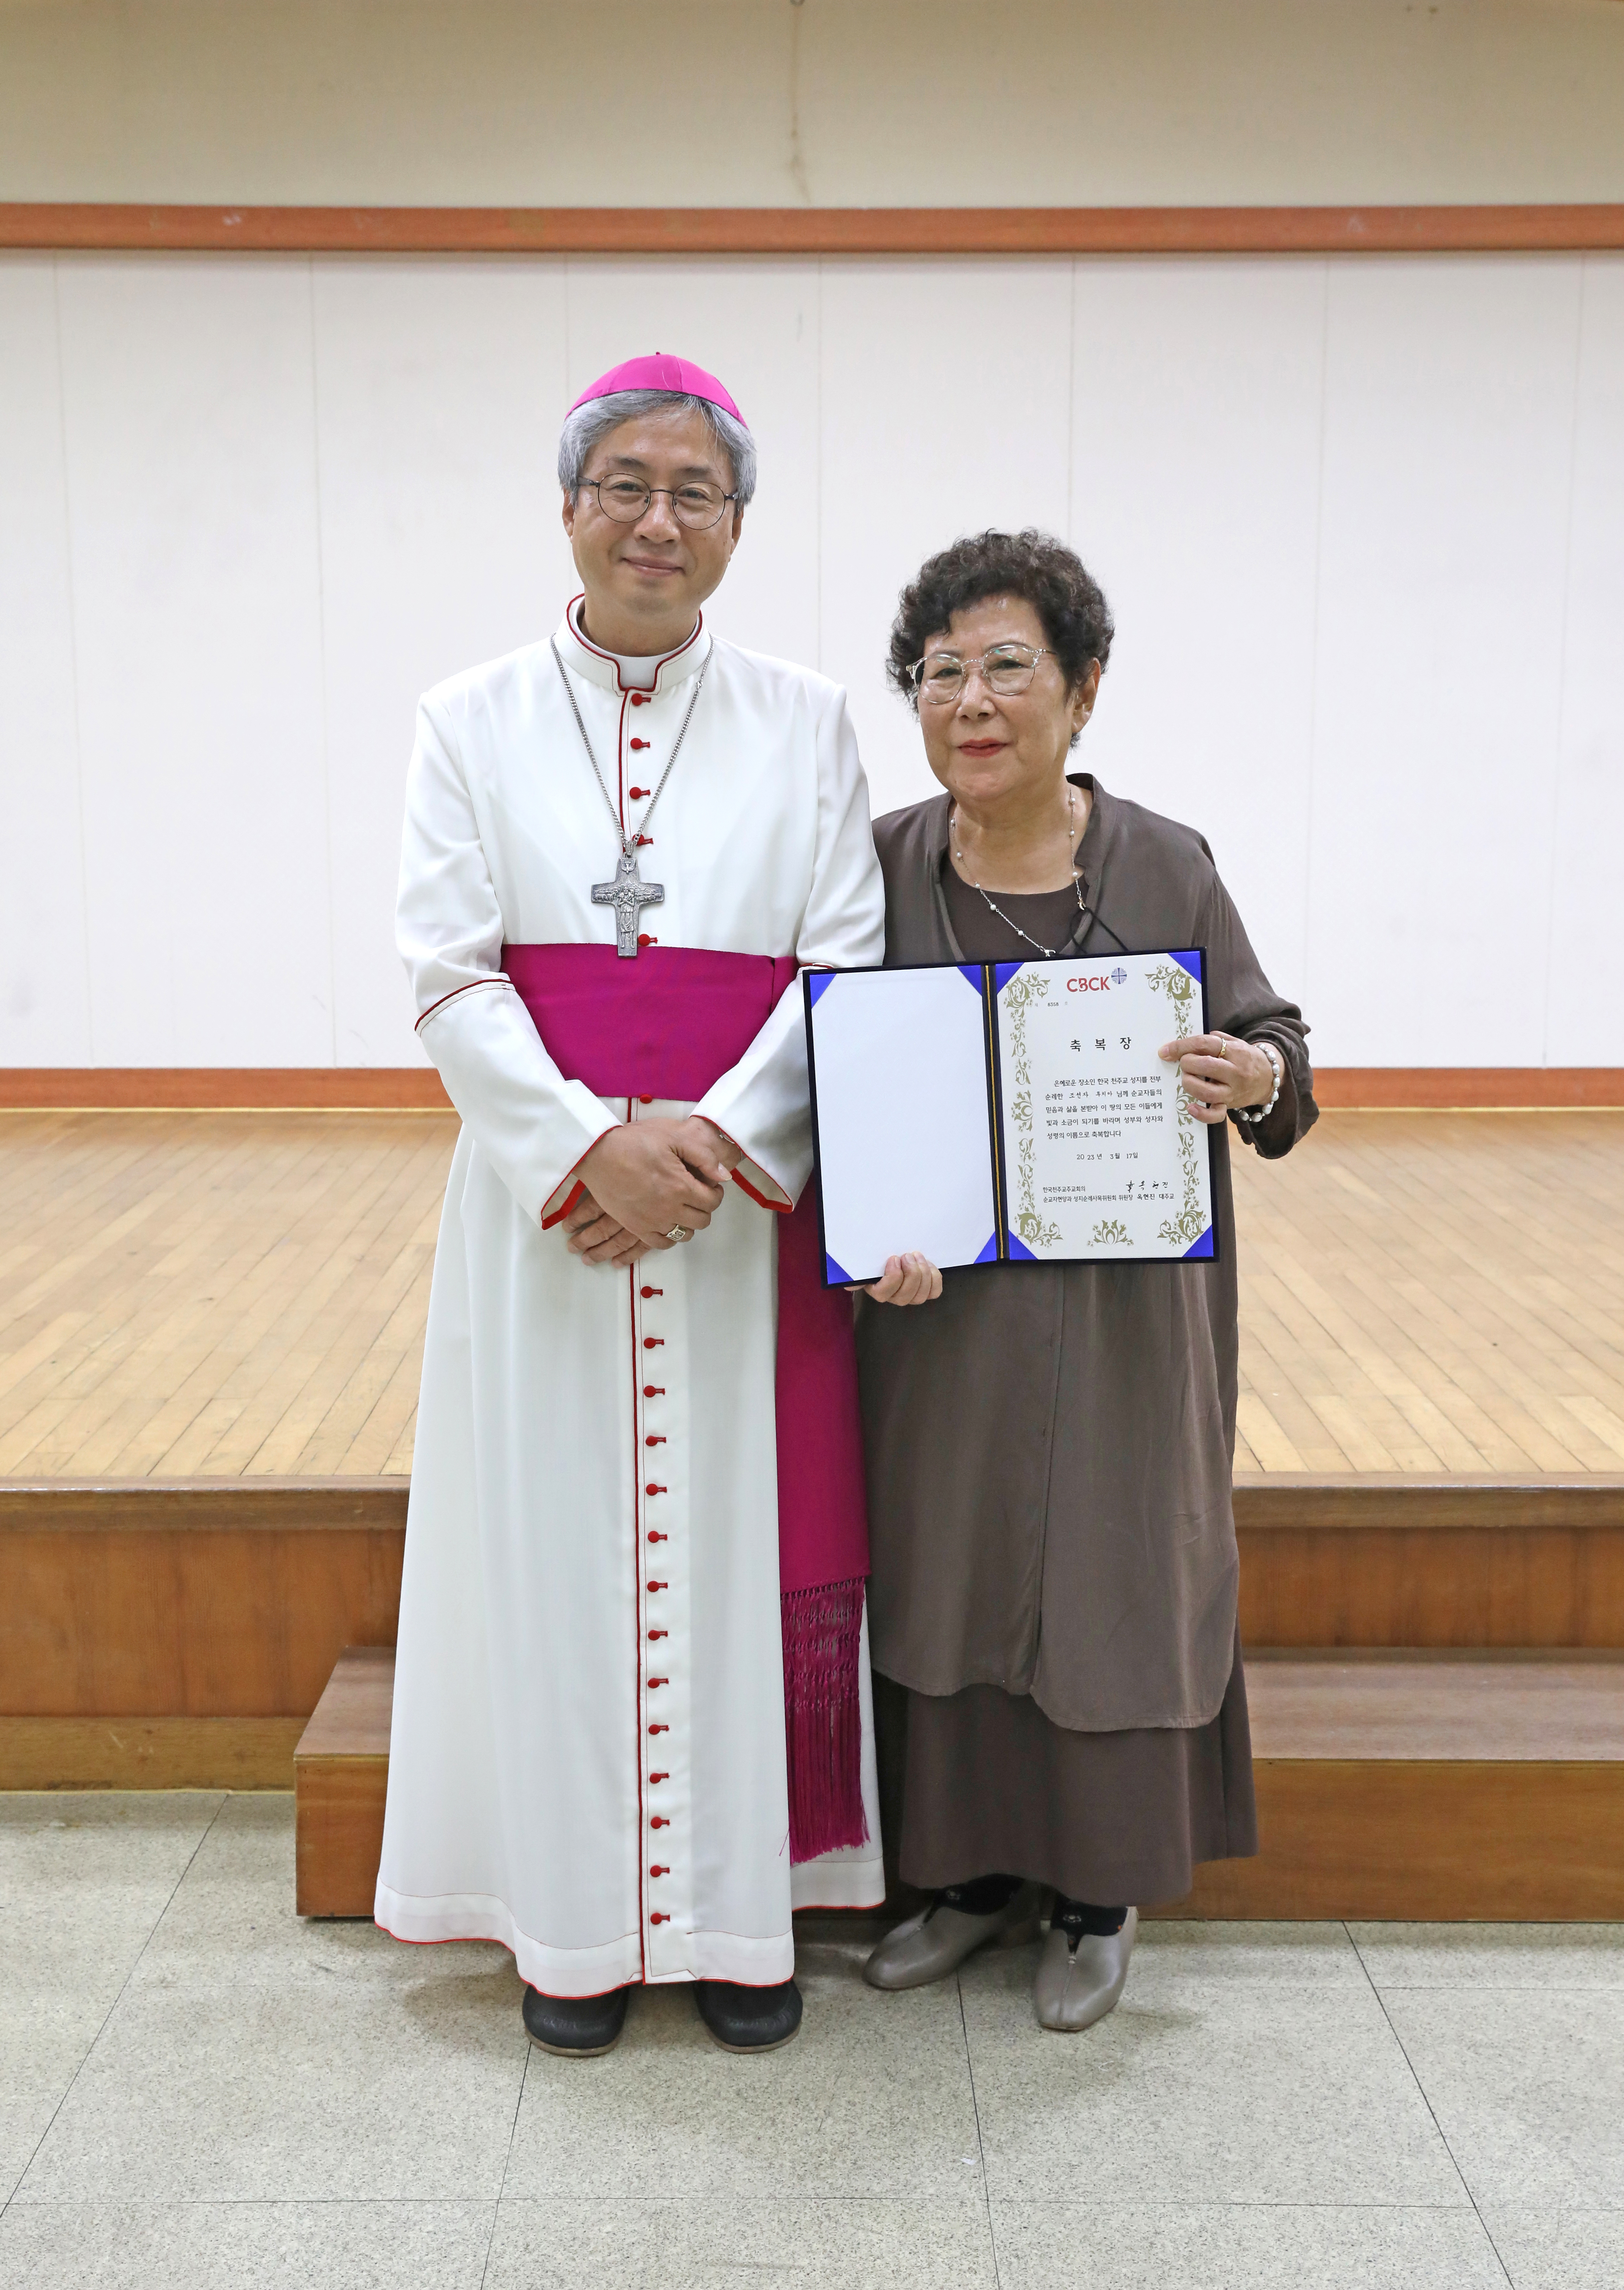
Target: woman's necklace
x=1076 y=872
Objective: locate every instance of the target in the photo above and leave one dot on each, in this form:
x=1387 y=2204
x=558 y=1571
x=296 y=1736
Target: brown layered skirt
x=980 y=1783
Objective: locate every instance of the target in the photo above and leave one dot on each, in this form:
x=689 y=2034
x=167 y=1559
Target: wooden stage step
x=341 y=1773
x=159 y=1634
x=1409 y=1784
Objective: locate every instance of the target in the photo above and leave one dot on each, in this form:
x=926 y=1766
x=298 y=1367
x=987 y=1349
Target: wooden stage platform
x=211 y=1325
x=205 y=1295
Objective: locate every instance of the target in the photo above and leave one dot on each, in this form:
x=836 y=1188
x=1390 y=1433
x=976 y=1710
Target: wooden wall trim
x=406 y=1088
x=223 y=1088
x=814 y=231
x=1459 y=1088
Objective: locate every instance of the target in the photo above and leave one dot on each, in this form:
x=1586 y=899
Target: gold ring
x=679 y=1232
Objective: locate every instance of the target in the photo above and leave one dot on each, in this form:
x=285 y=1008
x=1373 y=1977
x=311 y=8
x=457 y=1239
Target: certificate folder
x=1007 y=1112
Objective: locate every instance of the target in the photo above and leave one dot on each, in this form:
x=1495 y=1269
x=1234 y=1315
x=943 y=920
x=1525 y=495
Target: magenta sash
x=669 y=1025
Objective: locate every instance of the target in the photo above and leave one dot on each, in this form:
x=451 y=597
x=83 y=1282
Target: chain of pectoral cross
x=628 y=894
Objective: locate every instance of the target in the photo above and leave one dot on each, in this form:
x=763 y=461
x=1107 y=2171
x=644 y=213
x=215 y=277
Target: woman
x=1051 y=1611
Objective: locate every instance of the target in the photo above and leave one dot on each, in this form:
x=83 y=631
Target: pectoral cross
x=627 y=895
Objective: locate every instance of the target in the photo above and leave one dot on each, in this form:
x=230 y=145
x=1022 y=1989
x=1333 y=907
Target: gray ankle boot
x=936 y=1942
x=1077 y=1986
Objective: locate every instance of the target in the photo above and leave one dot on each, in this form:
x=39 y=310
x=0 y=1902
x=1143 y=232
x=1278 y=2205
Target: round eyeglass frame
x=916 y=674
x=596 y=486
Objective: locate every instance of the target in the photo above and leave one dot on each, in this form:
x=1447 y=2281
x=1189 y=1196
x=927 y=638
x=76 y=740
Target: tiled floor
x=197 y=2090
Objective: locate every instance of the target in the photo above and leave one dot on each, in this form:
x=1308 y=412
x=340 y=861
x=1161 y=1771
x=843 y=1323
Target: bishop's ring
x=679 y=1232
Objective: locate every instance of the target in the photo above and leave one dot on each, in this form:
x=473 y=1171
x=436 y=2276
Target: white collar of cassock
x=604 y=669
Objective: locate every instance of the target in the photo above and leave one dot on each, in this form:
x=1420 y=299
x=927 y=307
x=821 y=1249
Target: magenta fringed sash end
x=822 y=1545
x=667 y=1026
x=823 y=1718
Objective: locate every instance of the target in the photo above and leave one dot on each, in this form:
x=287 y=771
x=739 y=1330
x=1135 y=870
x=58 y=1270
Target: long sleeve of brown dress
x=1059 y=1692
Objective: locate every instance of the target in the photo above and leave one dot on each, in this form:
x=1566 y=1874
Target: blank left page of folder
x=903 y=1133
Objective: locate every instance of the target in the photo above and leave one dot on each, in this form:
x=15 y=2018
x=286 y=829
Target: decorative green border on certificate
x=1017 y=1111
x=1184 y=1230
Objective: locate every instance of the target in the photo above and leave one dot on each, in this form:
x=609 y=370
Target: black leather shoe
x=748 y=2019
x=575 y=2027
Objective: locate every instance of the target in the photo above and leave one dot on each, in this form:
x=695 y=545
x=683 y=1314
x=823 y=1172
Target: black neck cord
x=1096 y=917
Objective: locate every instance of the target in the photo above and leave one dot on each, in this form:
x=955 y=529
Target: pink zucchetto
x=679 y=375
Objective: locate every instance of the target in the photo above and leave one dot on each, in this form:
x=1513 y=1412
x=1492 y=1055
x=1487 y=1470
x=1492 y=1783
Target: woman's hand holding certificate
x=907 y=1280
x=1222 y=1074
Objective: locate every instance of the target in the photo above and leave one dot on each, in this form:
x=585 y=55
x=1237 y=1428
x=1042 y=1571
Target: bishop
x=632 y=1720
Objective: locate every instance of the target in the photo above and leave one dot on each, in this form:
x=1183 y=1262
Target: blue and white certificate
x=1010 y=1112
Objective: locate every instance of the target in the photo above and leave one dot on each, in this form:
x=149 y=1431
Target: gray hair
x=591 y=422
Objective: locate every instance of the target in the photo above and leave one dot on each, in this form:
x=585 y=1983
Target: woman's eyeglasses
x=940 y=678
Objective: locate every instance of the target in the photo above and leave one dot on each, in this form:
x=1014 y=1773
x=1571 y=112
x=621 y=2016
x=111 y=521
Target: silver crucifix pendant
x=627 y=895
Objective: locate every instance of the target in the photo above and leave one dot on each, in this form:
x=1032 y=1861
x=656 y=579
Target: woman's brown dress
x=1059 y=1692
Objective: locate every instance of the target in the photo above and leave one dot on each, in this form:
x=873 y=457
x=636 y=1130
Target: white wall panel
x=1587 y=875
x=1360 y=524
x=1449 y=430
x=191 y=467
x=945 y=389
x=437 y=388
x=1196 y=430
x=754 y=325
x=45 y=971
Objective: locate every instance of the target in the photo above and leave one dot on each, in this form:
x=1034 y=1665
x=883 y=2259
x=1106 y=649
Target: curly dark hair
x=1052 y=579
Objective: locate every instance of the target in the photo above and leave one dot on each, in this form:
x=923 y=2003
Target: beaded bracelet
x=1277 y=1068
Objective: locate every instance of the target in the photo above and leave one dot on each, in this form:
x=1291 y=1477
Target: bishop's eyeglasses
x=938 y=679
x=627 y=499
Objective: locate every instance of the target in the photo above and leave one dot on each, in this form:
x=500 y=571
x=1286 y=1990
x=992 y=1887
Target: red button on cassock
x=659 y=1917
x=659 y=1821
x=656 y=1870
x=645 y=1100
x=652 y=1344
x=653 y=1537
x=658 y=1634
x=660 y=1729
x=659 y=1586
x=651 y=1292
x=644 y=939
x=659 y=1777
x=638 y=744
x=640 y=700
x=650 y=1489
x=637 y=793
x=653 y=1392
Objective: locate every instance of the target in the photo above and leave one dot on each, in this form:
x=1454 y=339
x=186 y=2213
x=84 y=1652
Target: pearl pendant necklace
x=1076 y=872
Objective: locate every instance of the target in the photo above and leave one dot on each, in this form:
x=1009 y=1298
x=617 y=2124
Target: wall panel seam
x=1569 y=536
x=72 y=658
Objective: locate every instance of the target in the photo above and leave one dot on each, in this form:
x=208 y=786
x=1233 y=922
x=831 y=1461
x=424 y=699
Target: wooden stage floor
x=194 y=1296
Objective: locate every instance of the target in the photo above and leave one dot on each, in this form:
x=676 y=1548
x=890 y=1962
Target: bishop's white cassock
x=520 y=1804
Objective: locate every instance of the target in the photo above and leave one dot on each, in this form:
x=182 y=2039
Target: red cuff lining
x=778 y=1208
x=558 y=1215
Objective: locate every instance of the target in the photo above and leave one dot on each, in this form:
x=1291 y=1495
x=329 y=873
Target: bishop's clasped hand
x=648 y=1185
